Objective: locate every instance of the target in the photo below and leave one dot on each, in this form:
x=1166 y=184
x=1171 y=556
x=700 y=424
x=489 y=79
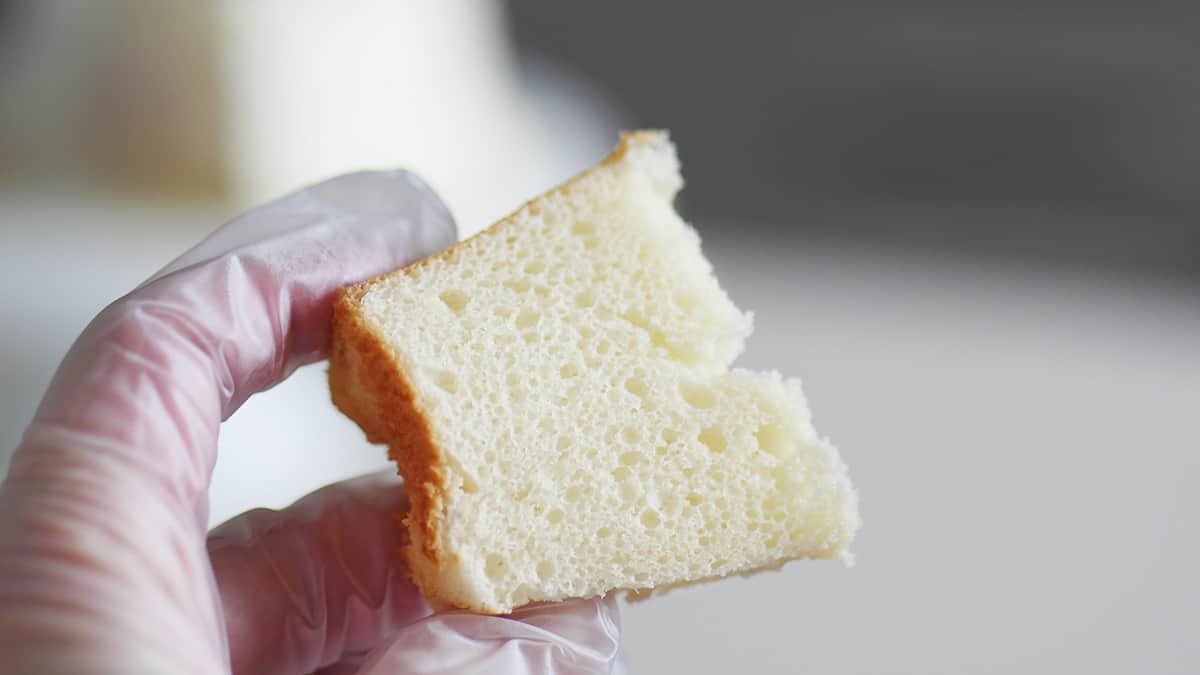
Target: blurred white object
x=430 y=86
x=241 y=102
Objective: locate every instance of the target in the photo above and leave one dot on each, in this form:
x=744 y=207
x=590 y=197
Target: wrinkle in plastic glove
x=105 y=566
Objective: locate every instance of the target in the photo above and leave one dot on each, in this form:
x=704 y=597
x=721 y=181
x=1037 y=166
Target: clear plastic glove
x=103 y=559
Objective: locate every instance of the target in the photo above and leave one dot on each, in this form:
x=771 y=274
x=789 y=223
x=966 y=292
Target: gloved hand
x=103 y=561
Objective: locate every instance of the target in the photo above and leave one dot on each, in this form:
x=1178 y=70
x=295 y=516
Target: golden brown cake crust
x=369 y=386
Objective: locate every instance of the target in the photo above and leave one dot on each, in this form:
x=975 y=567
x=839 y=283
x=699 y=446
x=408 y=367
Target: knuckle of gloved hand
x=146 y=324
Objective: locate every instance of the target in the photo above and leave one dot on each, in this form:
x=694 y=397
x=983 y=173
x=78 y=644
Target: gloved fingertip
x=314 y=583
x=395 y=199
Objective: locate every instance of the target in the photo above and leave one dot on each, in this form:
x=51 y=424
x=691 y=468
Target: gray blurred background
x=1061 y=131
x=972 y=229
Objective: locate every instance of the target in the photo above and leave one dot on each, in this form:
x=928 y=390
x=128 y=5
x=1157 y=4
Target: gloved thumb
x=321 y=584
x=304 y=587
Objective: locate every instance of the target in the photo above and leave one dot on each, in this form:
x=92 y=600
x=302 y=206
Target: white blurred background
x=1019 y=417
